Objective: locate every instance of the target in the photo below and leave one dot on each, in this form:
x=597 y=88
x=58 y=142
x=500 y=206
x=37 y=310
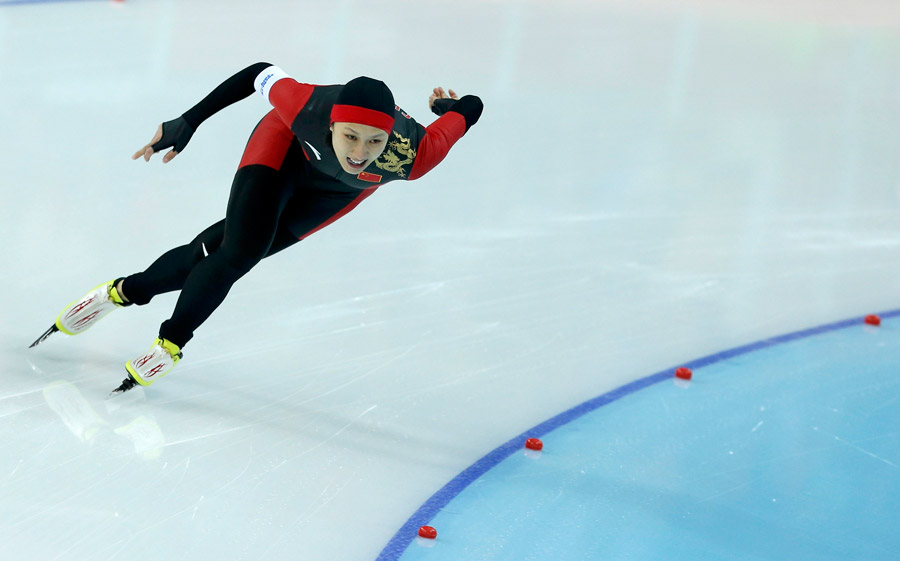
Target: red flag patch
x=370 y=177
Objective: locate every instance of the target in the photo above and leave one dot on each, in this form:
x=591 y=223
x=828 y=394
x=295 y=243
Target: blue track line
x=24 y=2
x=405 y=535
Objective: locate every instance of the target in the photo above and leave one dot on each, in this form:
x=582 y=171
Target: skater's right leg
x=269 y=151
x=272 y=167
x=258 y=197
x=251 y=233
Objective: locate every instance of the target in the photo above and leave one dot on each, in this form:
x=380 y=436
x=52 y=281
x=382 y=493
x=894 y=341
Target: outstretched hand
x=439 y=93
x=173 y=134
x=147 y=151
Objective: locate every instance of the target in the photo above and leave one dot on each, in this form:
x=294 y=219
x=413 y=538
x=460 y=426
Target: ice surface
x=785 y=449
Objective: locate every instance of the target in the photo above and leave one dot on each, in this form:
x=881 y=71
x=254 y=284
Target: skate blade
x=126 y=385
x=53 y=329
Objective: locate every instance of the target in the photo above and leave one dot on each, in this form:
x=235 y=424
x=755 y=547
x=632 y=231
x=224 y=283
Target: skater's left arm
x=457 y=115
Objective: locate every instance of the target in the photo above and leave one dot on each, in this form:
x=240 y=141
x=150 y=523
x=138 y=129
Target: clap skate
x=83 y=313
x=147 y=368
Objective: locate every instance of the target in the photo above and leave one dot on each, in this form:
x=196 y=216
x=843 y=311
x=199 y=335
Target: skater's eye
x=350 y=137
x=376 y=141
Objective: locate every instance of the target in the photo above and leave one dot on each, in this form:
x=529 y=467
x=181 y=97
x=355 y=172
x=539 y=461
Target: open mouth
x=356 y=165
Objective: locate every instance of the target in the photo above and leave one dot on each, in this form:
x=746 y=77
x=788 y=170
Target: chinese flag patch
x=370 y=177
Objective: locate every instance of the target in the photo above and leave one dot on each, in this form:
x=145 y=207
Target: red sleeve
x=288 y=97
x=439 y=137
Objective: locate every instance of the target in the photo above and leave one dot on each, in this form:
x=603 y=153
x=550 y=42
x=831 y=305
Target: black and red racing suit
x=289 y=184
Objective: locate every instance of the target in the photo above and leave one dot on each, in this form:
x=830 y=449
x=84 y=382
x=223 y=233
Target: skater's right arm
x=177 y=133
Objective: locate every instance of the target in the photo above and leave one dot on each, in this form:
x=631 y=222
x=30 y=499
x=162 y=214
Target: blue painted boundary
x=405 y=535
x=23 y=2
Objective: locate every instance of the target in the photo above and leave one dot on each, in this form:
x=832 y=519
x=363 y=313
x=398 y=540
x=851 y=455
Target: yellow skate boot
x=82 y=314
x=150 y=366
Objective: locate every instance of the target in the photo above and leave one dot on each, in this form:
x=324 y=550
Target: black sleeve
x=230 y=91
x=178 y=132
x=470 y=107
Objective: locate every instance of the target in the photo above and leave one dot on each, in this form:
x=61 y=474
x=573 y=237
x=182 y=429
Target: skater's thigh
x=272 y=167
x=259 y=194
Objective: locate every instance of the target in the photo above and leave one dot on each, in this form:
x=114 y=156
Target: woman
x=313 y=158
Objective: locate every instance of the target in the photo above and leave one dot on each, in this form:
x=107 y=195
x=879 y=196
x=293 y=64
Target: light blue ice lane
x=787 y=452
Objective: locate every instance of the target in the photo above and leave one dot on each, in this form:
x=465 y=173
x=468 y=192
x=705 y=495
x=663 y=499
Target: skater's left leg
x=169 y=272
x=166 y=274
x=82 y=314
x=259 y=195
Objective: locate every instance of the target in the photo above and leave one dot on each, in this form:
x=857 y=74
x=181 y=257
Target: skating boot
x=150 y=366
x=83 y=313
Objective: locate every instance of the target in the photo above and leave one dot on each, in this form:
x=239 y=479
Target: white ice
x=648 y=184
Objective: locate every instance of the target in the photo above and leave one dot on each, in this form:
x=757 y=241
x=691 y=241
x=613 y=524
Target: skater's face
x=356 y=145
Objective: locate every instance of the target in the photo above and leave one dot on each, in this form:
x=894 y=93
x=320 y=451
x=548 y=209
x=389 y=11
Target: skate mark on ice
x=866 y=452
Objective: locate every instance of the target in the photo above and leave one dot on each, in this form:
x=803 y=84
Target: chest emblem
x=398 y=153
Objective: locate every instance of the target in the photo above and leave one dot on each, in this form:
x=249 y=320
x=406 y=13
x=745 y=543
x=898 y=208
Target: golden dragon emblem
x=398 y=154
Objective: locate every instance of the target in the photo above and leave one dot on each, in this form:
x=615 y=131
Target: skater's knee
x=243 y=255
x=240 y=262
x=208 y=240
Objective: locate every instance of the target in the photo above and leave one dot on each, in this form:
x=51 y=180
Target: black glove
x=175 y=134
x=441 y=105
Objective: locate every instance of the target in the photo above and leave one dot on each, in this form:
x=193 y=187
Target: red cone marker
x=873 y=320
x=684 y=373
x=427 y=532
x=534 y=444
